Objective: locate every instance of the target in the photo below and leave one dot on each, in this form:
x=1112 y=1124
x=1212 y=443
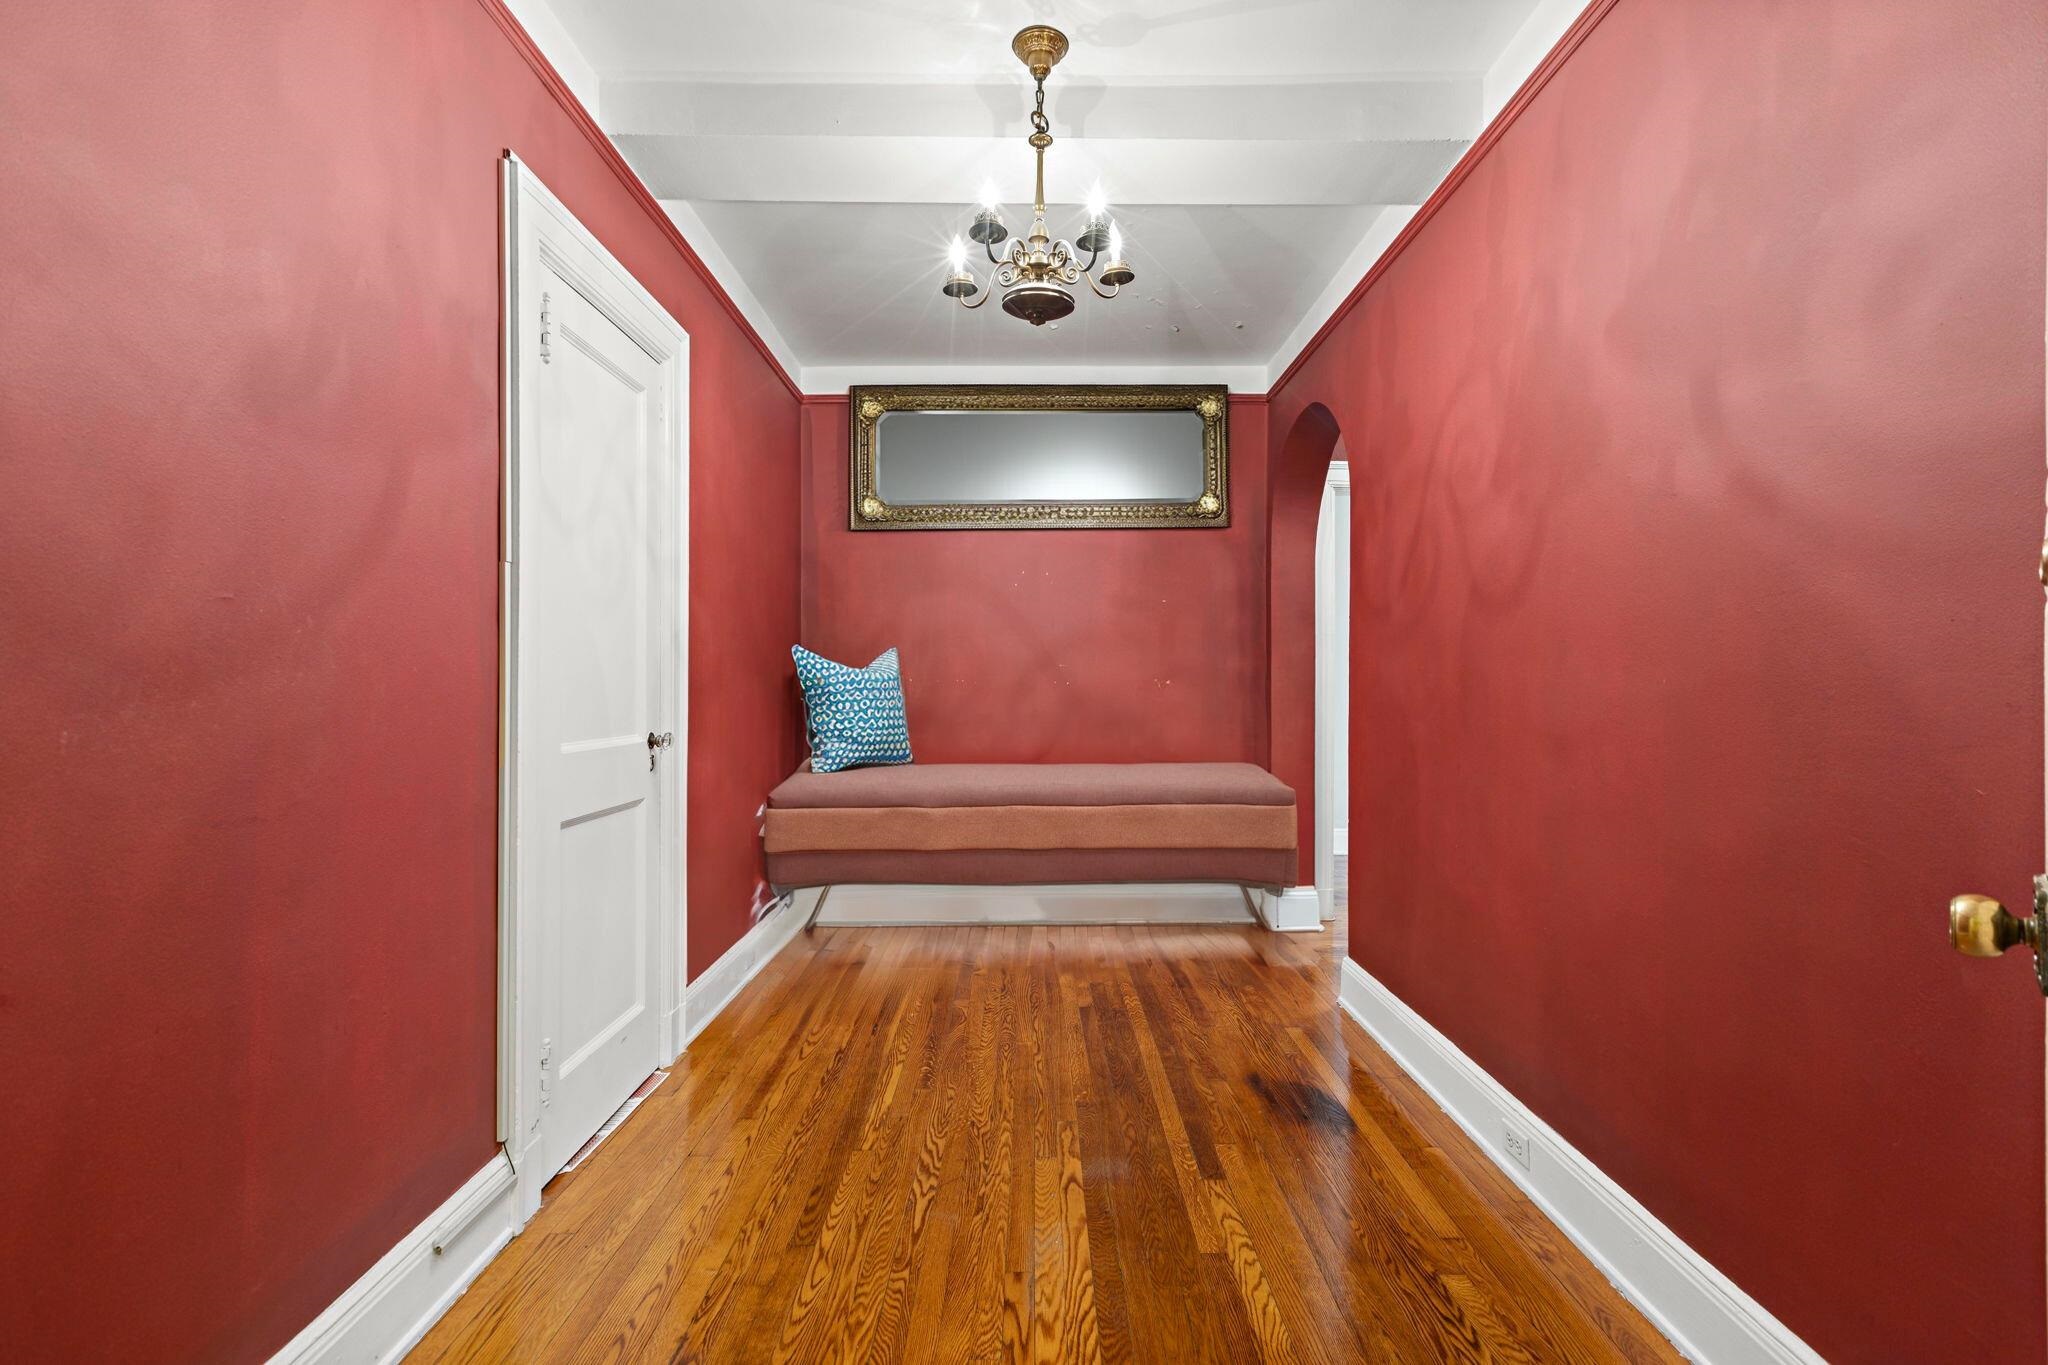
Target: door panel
x=594 y=618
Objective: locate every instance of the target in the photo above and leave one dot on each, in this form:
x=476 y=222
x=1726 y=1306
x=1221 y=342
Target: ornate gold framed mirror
x=1029 y=456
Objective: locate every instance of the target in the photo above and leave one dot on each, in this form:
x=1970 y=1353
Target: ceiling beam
x=1376 y=110
x=1365 y=141
x=952 y=170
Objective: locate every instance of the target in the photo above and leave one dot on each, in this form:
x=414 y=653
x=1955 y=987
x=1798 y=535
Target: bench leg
x=1252 y=906
x=815 y=909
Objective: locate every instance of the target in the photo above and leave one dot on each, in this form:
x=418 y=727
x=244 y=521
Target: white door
x=1333 y=682
x=596 y=597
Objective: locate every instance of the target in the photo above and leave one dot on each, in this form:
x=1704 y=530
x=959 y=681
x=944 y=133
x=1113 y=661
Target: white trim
x=1378 y=237
x=716 y=986
x=826 y=381
x=1705 y=1315
x=1532 y=43
x=1340 y=841
x=1298 y=909
x=1549 y=21
x=1539 y=33
x=535 y=226
x=1104 y=903
x=727 y=275
x=508 y=651
x=384 y=1314
x=545 y=27
x=551 y=36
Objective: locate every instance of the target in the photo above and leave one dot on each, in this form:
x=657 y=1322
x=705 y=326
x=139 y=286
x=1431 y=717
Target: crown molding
x=1389 y=236
x=1346 y=282
x=719 y=266
x=553 y=38
x=834 y=380
x=552 y=81
x=1376 y=266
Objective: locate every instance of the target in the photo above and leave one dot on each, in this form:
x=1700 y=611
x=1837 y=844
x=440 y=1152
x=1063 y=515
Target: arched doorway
x=1299 y=474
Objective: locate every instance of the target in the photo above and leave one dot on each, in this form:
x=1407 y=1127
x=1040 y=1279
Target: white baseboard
x=1703 y=1313
x=1107 y=903
x=384 y=1314
x=715 y=987
x=1298 y=909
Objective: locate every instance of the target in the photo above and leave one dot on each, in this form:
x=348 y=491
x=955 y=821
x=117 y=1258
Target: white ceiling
x=820 y=154
x=1171 y=40
x=1214 y=285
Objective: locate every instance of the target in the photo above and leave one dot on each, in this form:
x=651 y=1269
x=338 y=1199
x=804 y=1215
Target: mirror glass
x=968 y=457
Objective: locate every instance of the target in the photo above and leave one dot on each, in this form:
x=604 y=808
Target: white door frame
x=537 y=229
x=1332 y=572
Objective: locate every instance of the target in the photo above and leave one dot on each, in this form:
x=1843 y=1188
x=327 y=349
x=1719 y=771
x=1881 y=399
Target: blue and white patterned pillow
x=855 y=715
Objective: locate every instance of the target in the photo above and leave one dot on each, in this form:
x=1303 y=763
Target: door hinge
x=547 y=1053
x=546 y=321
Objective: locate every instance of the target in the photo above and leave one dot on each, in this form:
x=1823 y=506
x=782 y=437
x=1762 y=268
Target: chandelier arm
x=1100 y=292
x=981 y=298
x=993 y=259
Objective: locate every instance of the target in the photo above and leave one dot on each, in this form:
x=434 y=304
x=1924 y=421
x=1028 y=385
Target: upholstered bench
x=1026 y=824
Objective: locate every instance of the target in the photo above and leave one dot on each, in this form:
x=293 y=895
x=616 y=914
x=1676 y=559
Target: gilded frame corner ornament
x=868 y=404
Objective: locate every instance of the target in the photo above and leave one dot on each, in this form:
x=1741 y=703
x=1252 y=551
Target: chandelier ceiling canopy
x=1033 y=275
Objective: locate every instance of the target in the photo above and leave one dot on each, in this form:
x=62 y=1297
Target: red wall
x=1050 y=646
x=1696 y=451
x=248 y=600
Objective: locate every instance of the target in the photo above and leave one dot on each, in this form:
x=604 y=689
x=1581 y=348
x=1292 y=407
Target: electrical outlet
x=1517 y=1143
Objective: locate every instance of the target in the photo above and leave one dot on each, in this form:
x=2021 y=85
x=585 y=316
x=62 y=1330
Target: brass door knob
x=1979 y=926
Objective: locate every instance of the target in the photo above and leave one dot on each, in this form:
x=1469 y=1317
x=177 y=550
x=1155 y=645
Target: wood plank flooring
x=1147 y=1143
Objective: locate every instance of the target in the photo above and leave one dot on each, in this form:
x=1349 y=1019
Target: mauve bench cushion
x=1032 y=823
x=1036 y=784
x=931 y=828
x=1034 y=867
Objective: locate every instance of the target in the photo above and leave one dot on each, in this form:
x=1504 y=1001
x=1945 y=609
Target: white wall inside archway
x=1333 y=678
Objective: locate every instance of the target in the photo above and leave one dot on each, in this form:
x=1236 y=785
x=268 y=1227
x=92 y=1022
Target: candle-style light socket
x=1095 y=237
x=987 y=228
x=1118 y=272
x=958 y=287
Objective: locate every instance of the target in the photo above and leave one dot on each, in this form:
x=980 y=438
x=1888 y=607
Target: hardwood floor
x=1158 y=1143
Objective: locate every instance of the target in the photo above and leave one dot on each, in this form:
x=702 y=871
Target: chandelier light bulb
x=957 y=254
x=1098 y=203
x=990 y=199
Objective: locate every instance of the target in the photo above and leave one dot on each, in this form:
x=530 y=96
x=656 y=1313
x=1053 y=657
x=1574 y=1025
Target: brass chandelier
x=1034 y=273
